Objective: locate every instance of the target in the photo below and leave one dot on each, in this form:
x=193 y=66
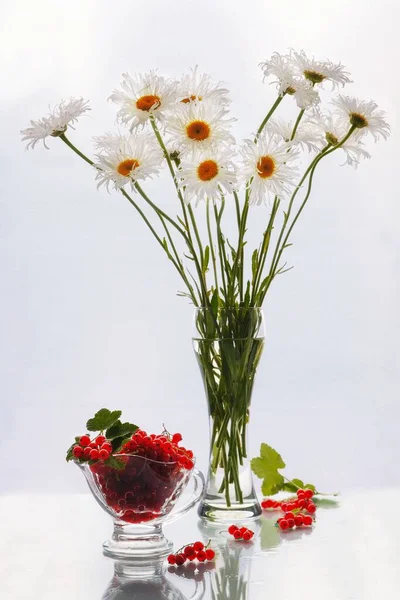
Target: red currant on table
x=180 y=559
x=307 y=520
x=247 y=536
x=311 y=507
x=232 y=529
x=283 y=524
x=237 y=535
x=198 y=546
x=308 y=493
x=210 y=554
x=201 y=556
x=171 y=559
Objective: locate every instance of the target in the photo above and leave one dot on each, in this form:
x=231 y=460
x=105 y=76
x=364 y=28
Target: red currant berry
x=100 y=440
x=289 y=515
x=284 y=506
x=171 y=559
x=77 y=451
x=188 y=550
x=290 y=522
x=251 y=533
x=94 y=454
x=300 y=491
x=192 y=556
x=307 y=520
x=104 y=454
x=301 y=504
x=308 y=493
x=84 y=441
x=201 y=556
x=284 y=524
x=243 y=530
x=87 y=451
x=106 y=446
x=276 y=504
x=210 y=554
x=311 y=508
x=232 y=529
x=237 y=535
x=180 y=559
x=198 y=546
x=267 y=503
x=301 y=495
x=298 y=520
x=247 y=536
x=176 y=438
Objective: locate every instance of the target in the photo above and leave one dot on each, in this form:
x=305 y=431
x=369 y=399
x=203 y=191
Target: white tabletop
x=50 y=549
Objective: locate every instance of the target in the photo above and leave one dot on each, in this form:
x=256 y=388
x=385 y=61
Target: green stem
x=213 y=259
x=310 y=171
x=268 y=116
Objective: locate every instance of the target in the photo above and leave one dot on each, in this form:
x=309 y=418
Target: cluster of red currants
x=303 y=500
x=293 y=507
x=97 y=449
x=191 y=552
x=291 y=520
x=241 y=533
x=161 y=448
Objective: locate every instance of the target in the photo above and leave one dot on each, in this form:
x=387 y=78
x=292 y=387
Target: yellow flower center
x=198 y=131
x=266 y=167
x=290 y=90
x=148 y=102
x=191 y=98
x=207 y=170
x=314 y=76
x=127 y=166
x=358 y=120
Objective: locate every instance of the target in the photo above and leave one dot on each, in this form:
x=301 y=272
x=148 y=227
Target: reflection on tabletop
x=133 y=581
x=226 y=578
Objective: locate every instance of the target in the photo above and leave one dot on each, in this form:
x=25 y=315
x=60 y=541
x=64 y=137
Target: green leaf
x=254 y=263
x=214 y=303
x=115 y=463
x=118 y=442
x=266 y=467
x=103 y=419
x=120 y=429
x=206 y=259
x=70 y=456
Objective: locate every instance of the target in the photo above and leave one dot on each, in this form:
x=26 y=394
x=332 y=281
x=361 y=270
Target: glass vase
x=228 y=346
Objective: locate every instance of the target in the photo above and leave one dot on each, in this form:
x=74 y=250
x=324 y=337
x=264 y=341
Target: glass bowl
x=139 y=495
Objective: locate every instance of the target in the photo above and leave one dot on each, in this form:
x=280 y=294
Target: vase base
x=214 y=510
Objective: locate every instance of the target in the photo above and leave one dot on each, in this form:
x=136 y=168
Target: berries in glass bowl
x=137 y=479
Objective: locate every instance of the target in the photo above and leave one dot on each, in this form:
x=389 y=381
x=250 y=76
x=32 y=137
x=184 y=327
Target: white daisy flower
x=268 y=168
x=142 y=96
x=55 y=124
x=204 y=173
x=363 y=115
x=199 y=125
x=319 y=71
x=196 y=87
x=308 y=136
x=282 y=70
x=334 y=131
x=126 y=159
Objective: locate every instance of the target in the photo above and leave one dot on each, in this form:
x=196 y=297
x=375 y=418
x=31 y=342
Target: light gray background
x=88 y=310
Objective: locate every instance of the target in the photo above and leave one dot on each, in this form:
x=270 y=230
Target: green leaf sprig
x=267 y=467
x=106 y=422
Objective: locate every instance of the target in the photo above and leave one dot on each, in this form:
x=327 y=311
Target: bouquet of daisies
x=185 y=126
